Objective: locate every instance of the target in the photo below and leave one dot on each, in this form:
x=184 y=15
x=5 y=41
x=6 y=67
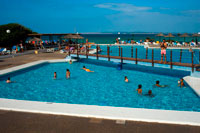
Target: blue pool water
x=104 y=87
x=186 y=54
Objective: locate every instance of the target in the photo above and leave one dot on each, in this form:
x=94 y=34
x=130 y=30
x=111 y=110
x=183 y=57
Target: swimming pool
x=104 y=87
x=186 y=54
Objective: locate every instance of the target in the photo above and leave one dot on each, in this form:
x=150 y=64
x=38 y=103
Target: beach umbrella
x=169 y=35
x=69 y=36
x=160 y=35
x=184 y=36
x=196 y=35
x=35 y=39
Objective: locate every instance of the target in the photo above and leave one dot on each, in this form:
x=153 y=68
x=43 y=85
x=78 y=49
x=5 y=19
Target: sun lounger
x=50 y=50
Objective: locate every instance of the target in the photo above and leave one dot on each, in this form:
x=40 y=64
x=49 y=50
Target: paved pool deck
x=12 y=121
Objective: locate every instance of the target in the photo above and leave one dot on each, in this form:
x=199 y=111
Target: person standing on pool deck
x=55 y=75
x=163 y=47
x=67 y=74
x=139 y=90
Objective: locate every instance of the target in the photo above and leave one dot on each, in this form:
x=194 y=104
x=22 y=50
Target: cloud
x=123 y=7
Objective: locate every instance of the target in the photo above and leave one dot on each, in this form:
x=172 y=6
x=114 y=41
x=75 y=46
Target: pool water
x=104 y=87
x=186 y=54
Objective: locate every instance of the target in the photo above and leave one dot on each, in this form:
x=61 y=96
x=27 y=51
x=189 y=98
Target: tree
x=17 y=34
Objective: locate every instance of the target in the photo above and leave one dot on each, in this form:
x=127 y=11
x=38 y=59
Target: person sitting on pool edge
x=87 y=70
x=8 y=80
x=55 y=75
x=139 y=90
x=126 y=79
x=67 y=74
x=158 y=84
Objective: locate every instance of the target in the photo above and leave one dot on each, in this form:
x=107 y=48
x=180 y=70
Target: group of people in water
x=139 y=89
x=68 y=72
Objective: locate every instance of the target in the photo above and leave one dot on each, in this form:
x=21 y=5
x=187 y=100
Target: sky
x=83 y=16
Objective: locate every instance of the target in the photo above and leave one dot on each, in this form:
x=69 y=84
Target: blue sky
x=64 y=16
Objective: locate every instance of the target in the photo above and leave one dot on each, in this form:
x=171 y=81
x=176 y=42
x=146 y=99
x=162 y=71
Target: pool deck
x=13 y=121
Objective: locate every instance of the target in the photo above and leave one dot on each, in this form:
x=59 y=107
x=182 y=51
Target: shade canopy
x=184 y=35
x=196 y=35
x=160 y=34
x=73 y=36
x=77 y=36
x=169 y=35
x=35 y=39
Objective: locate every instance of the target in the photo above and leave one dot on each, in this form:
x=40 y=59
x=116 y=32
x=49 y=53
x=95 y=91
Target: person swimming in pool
x=139 y=90
x=149 y=93
x=55 y=75
x=70 y=62
x=67 y=74
x=181 y=83
x=158 y=84
x=8 y=80
x=87 y=70
x=126 y=79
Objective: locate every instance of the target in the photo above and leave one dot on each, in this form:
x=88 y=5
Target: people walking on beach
x=139 y=90
x=55 y=75
x=67 y=74
x=163 y=47
x=126 y=79
x=87 y=70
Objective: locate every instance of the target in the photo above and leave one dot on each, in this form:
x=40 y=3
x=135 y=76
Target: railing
x=136 y=59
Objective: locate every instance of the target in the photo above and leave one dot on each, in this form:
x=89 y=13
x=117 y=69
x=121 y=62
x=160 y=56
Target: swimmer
x=126 y=79
x=149 y=94
x=139 y=90
x=67 y=74
x=8 y=80
x=158 y=85
x=182 y=83
x=87 y=70
x=70 y=62
x=55 y=75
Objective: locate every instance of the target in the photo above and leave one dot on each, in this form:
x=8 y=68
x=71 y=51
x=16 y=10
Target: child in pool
x=67 y=74
x=126 y=79
x=139 y=90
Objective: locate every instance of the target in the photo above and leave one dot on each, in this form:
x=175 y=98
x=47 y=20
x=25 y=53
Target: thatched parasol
x=160 y=35
x=69 y=36
x=169 y=35
x=196 y=35
x=35 y=39
x=77 y=36
x=184 y=35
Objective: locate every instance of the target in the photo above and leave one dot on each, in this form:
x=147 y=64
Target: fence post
x=119 y=50
x=77 y=50
x=152 y=58
x=136 y=56
x=180 y=55
x=86 y=51
x=199 y=56
x=108 y=52
x=121 y=56
x=171 y=59
x=132 y=51
x=192 y=62
x=146 y=52
x=97 y=52
x=69 y=51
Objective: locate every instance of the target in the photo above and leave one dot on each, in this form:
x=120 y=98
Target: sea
x=110 y=38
